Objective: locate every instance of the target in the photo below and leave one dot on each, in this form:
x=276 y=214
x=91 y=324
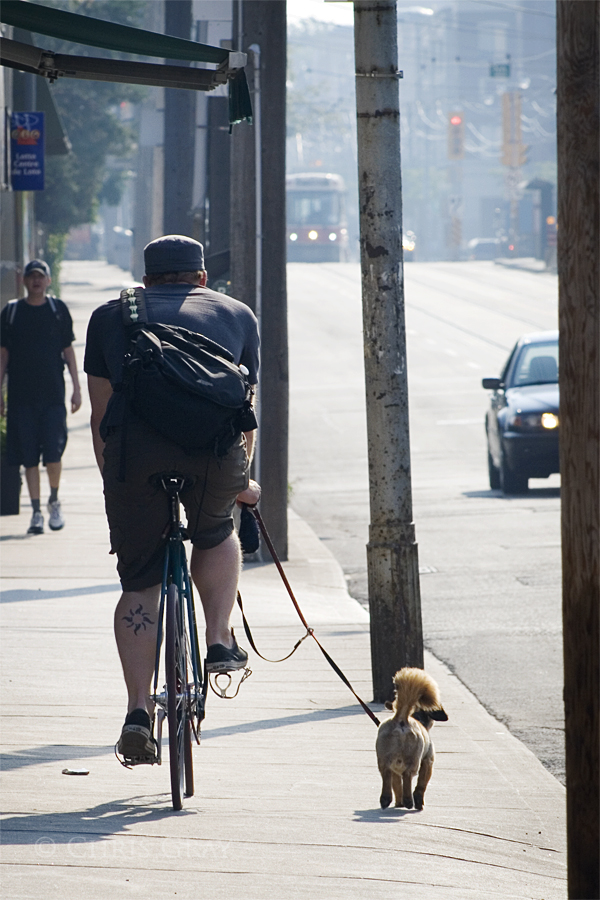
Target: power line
x=510 y=6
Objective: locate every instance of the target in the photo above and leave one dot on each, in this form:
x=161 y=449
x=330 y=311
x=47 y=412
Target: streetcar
x=317 y=228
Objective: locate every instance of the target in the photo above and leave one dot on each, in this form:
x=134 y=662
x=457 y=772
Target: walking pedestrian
x=36 y=344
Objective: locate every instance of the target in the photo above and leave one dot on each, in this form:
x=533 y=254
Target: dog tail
x=414 y=690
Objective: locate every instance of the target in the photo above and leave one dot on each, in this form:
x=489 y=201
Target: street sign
x=501 y=70
x=27 y=151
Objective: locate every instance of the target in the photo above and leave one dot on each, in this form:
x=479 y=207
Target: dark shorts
x=138 y=512
x=33 y=432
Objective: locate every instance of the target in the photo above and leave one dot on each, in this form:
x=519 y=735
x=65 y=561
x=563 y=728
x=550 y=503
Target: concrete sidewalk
x=287 y=788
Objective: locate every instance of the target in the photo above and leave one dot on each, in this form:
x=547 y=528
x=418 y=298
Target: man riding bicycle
x=137 y=508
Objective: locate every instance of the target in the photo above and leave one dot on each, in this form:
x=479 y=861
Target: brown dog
x=404 y=747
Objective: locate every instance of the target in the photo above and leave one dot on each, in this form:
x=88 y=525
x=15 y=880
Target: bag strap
x=133 y=313
x=133 y=307
x=13 y=305
x=12 y=311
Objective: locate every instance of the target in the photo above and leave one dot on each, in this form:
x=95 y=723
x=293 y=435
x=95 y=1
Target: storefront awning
x=125 y=39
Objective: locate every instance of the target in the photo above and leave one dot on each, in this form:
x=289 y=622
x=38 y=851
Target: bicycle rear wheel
x=180 y=749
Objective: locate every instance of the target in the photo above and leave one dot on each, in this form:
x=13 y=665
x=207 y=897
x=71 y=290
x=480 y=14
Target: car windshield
x=536 y=364
x=312 y=208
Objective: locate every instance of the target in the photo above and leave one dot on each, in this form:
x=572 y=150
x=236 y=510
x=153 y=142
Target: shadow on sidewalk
x=283 y=722
x=51 y=753
x=56 y=753
x=19 y=595
x=382 y=815
x=81 y=827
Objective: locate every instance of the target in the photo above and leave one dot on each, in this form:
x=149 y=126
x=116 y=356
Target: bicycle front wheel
x=180 y=750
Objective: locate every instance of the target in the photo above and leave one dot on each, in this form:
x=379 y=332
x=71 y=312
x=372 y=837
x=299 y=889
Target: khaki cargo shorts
x=138 y=513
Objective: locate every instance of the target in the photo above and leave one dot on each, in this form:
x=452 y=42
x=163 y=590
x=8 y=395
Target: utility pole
x=392 y=560
x=258 y=249
x=514 y=155
x=180 y=132
x=578 y=103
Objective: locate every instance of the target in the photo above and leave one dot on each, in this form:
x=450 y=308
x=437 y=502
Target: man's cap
x=37 y=265
x=173 y=253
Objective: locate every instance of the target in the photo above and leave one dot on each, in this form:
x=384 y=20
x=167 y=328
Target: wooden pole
x=392 y=559
x=578 y=98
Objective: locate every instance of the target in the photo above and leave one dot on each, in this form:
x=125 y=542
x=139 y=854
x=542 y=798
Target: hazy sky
x=341 y=13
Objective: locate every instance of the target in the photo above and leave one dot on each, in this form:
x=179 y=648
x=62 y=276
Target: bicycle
x=183 y=698
x=182 y=701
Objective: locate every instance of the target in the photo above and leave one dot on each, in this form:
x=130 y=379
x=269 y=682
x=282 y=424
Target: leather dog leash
x=309 y=631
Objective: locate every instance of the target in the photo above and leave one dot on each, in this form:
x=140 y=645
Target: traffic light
x=456 y=135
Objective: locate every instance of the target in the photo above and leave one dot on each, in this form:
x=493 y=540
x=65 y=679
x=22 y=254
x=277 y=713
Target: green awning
x=125 y=39
x=108 y=35
x=56 y=65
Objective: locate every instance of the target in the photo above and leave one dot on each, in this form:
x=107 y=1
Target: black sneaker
x=225 y=659
x=136 y=744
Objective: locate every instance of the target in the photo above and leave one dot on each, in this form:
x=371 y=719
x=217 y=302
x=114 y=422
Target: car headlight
x=313 y=235
x=549 y=420
x=293 y=236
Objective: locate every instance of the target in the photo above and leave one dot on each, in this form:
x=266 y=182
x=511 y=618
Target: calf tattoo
x=138 y=619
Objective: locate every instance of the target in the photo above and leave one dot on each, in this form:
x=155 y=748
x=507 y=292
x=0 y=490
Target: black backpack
x=181 y=383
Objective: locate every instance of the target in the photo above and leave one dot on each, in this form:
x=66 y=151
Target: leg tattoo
x=137 y=619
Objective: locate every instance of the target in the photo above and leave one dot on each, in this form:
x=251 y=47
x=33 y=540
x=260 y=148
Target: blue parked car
x=522 y=422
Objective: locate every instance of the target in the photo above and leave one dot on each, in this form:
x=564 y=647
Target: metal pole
x=180 y=134
x=392 y=560
x=256 y=119
x=263 y=23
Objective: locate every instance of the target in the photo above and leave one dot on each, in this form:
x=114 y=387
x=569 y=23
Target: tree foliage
x=89 y=112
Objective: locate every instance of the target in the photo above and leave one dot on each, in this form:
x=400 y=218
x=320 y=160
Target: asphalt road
x=490 y=565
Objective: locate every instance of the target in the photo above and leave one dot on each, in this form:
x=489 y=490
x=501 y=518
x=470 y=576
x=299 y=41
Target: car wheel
x=512 y=482
x=494 y=474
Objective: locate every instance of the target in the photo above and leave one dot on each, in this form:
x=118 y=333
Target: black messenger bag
x=183 y=384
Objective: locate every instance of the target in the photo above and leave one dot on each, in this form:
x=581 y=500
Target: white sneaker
x=36 y=525
x=56 y=521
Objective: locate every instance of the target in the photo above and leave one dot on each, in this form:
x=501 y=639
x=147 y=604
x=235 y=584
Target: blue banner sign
x=27 y=151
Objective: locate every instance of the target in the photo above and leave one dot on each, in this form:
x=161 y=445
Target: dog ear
x=439 y=715
x=389 y=704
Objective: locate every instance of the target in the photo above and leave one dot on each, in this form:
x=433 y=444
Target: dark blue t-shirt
x=224 y=320
x=35 y=341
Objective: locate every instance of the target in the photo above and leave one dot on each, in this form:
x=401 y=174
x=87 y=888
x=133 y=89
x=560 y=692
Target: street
x=490 y=566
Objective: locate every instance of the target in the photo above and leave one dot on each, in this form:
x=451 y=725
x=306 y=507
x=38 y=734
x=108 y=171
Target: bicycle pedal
x=128 y=762
x=142 y=762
